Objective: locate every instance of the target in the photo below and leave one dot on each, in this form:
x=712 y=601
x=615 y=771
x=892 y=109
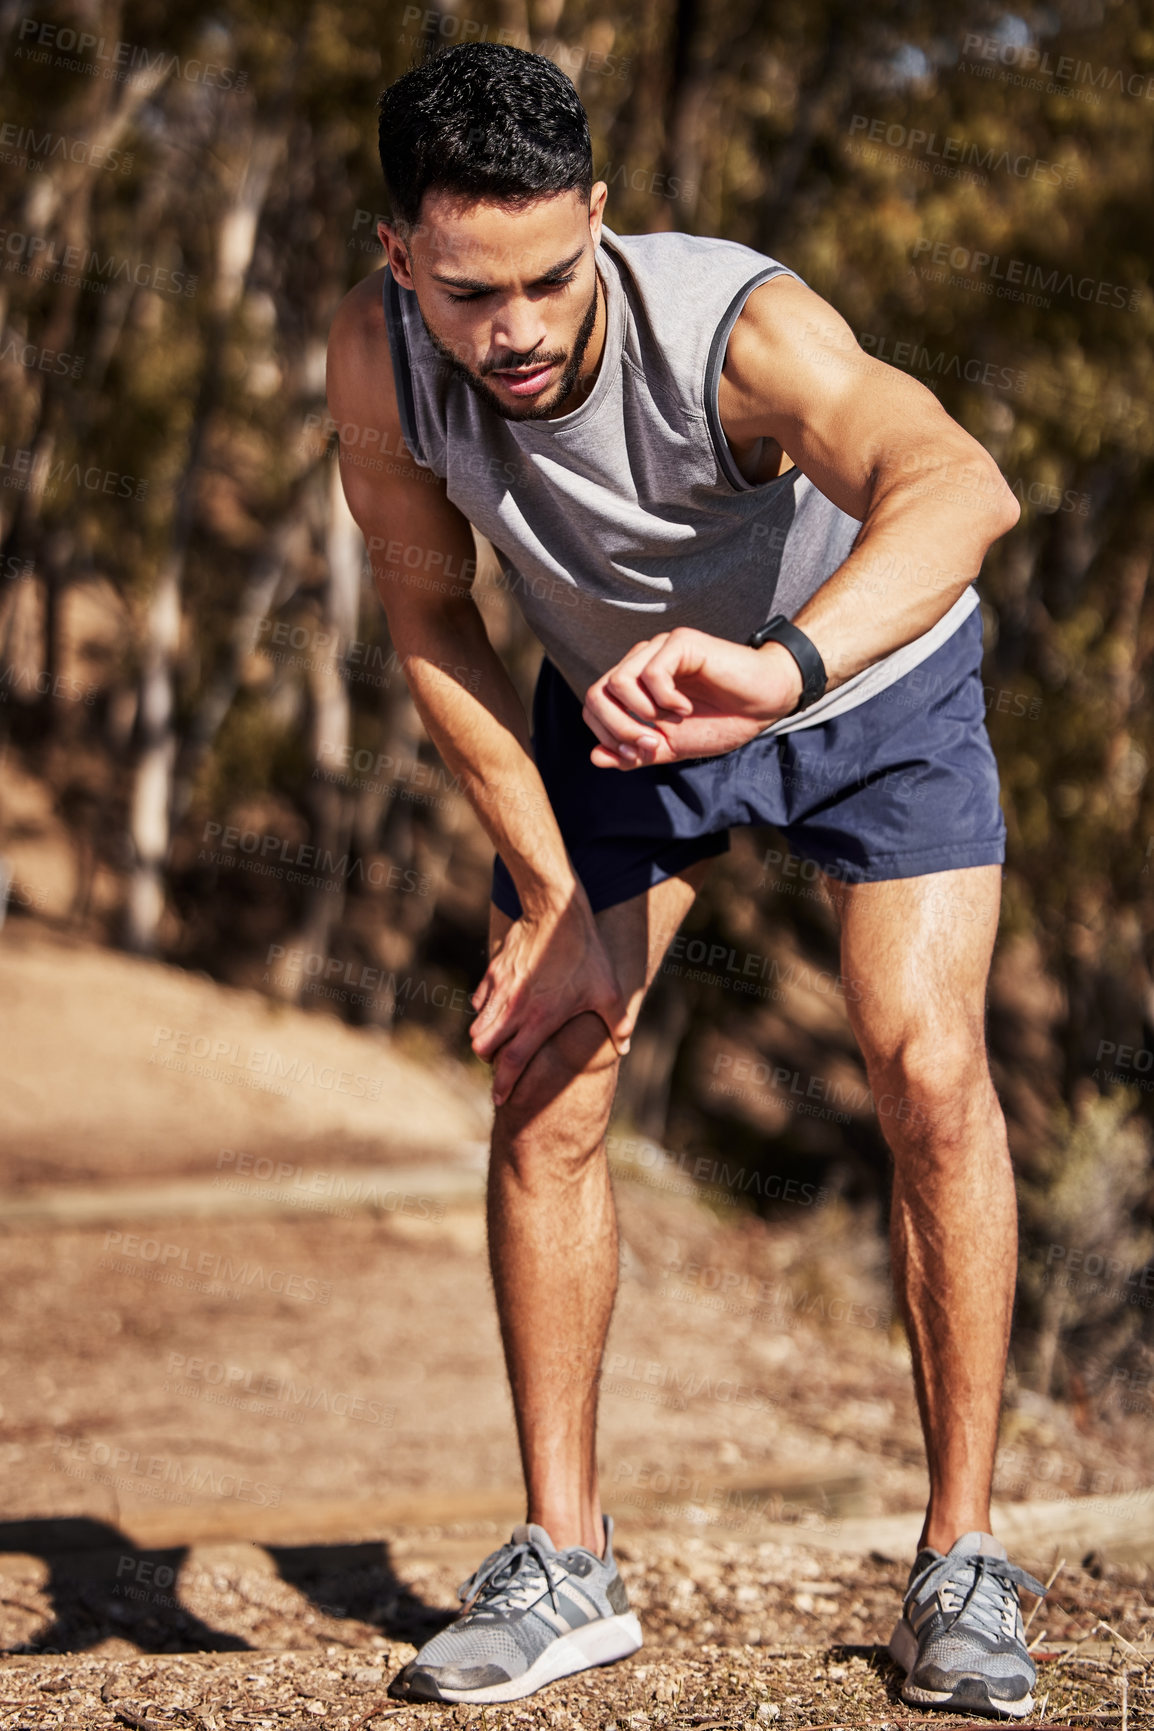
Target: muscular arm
x=422 y=554
x=930 y=500
x=879 y=444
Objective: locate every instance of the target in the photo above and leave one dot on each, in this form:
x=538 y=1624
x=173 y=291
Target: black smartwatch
x=804 y=651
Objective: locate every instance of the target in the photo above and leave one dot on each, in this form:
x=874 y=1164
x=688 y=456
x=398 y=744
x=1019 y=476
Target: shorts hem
x=645 y=875
x=886 y=868
x=658 y=868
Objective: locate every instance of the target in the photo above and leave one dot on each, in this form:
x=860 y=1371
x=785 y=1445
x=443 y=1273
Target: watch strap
x=779 y=629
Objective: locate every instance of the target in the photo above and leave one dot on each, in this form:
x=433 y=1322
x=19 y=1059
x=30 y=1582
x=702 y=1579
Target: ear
x=597 y=197
x=396 y=253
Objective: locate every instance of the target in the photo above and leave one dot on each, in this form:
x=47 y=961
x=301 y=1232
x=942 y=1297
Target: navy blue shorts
x=902 y=785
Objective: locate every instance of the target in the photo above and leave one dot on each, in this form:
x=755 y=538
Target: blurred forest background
x=196 y=683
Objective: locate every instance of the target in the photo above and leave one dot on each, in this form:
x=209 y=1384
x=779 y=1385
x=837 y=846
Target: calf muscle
x=553 y=1227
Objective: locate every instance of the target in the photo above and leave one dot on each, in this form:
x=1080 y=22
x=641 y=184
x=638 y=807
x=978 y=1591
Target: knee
x=929 y=1082
x=558 y=1111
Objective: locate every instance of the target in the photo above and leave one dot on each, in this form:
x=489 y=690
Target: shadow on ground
x=100 y=1585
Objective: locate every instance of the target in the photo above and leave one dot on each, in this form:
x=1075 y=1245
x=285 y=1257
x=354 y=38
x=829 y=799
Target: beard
x=533 y=411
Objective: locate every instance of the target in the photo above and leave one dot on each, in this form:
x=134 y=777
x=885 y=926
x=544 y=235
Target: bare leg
x=553 y=1226
x=916 y=955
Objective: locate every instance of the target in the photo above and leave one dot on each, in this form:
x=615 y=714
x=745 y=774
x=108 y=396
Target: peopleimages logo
x=23 y=469
x=217 y=1055
x=944 y=148
x=98 y=57
x=211 y=1270
x=1018 y=280
x=34 y=255
x=34 y=149
x=40 y=360
x=1064 y=68
x=160 y=1476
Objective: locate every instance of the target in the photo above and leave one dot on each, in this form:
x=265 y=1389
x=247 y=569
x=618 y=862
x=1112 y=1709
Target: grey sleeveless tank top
x=629 y=516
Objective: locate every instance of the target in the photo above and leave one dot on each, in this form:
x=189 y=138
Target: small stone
x=768 y=1710
x=368 y=1676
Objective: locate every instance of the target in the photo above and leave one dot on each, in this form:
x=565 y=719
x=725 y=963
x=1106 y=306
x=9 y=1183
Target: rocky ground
x=255 y=1427
x=787 y=1645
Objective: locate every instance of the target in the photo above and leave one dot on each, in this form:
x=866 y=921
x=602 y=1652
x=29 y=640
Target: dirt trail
x=256 y=1429
x=114 y=1066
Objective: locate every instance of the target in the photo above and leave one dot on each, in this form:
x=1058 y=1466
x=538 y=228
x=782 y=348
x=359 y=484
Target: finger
x=636 y=657
x=619 y=1017
x=617 y=699
x=619 y=732
x=496 y=1025
x=660 y=674
x=645 y=682
x=619 y=1031
x=623 y=755
x=487 y=992
x=626 y=686
x=515 y=1055
x=622 y=684
x=487 y=1041
x=606 y=757
x=484 y=991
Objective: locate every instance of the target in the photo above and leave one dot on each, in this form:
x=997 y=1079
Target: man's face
x=510 y=298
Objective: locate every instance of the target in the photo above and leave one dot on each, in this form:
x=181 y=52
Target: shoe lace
x=982 y=1588
x=513 y=1574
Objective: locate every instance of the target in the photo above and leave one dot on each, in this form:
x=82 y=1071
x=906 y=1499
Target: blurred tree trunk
x=636 y=136
x=683 y=154
x=265 y=588
x=151 y=820
x=824 y=93
x=330 y=803
x=59 y=202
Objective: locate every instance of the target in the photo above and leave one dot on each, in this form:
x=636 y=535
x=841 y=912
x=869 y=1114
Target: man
x=666 y=439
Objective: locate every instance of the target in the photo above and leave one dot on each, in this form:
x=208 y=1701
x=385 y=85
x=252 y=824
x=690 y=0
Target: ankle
x=568 y=1531
x=942 y=1531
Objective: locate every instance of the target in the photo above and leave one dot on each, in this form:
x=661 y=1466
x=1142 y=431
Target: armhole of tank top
x=713 y=366
x=402 y=371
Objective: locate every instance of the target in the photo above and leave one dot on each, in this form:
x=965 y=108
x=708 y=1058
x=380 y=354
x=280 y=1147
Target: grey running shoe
x=961 y=1640
x=532 y=1614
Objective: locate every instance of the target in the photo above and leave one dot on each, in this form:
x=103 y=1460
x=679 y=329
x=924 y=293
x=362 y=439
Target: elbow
x=1011 y=513
x=1003 y=509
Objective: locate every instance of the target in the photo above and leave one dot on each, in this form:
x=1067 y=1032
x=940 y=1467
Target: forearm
x=476 y=720
x=921 y=544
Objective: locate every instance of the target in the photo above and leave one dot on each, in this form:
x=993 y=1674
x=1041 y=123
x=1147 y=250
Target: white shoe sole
x=599 y=1643
x=904 y=1652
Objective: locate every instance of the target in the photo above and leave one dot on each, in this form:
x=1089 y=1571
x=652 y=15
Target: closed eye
x=479 y=294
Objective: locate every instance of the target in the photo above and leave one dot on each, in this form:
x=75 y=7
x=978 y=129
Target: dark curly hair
x=484 y=120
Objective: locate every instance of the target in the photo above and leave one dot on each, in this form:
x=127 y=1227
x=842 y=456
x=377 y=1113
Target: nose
x=518 y=330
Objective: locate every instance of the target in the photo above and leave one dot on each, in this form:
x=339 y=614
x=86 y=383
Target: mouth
x=524 y=381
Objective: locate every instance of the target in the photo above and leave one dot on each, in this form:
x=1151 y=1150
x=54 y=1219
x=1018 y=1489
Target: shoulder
x=685 y=276
x=787 y=341
x=784 y=314
x=360 y=317
x=684 y=292
x=359 y=366
x=670 y=246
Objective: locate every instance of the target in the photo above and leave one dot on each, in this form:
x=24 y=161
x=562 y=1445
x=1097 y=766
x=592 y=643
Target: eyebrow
x=476 y=284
